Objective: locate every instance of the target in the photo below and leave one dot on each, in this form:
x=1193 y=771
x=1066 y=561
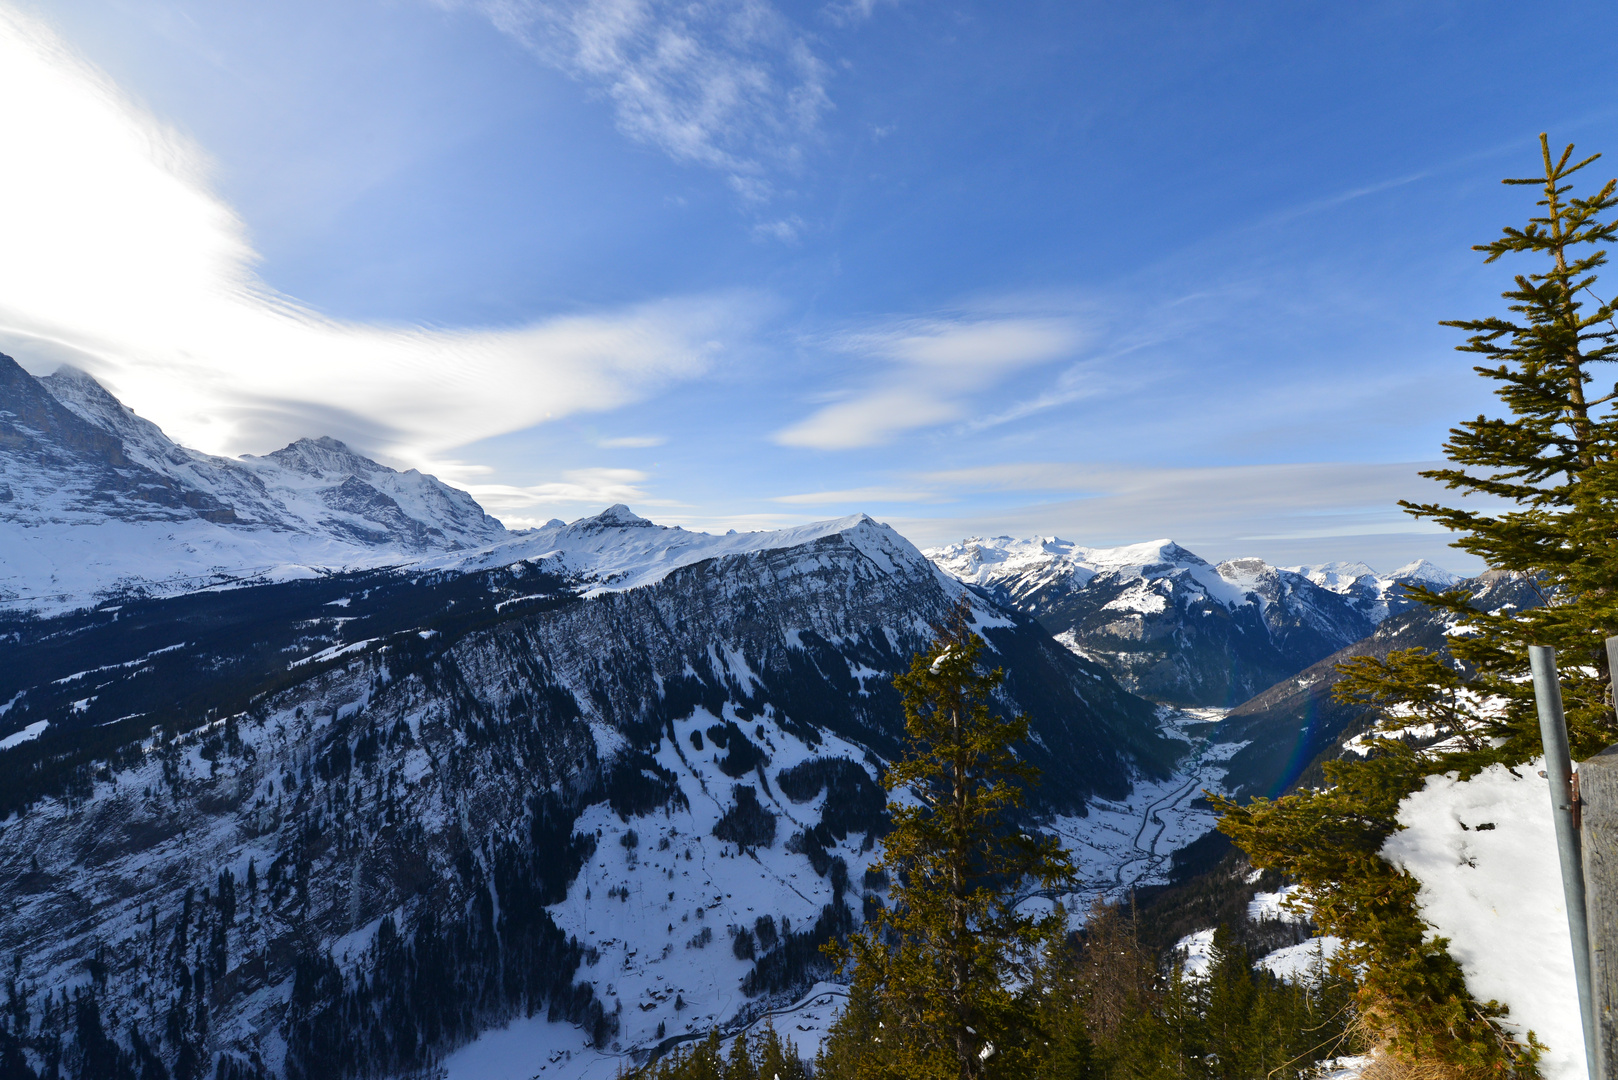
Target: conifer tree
x=1553 y=462
x=934 y=972
x=767 y=1057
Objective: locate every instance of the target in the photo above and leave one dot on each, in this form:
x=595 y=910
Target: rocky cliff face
x=619 y=787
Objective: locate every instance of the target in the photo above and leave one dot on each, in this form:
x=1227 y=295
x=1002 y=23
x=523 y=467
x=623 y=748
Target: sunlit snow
x=1484 y=851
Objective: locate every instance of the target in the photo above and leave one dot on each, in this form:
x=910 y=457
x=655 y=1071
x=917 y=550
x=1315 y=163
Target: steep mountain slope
x=1173 y=627
x=1293 y=723
x=622 y=780
x=97 y=502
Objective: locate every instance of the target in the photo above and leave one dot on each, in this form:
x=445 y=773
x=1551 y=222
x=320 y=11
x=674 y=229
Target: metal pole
x=1559 y=771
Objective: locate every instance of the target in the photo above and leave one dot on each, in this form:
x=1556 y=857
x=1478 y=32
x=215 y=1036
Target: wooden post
x=1597 y=792
x=1598 y=798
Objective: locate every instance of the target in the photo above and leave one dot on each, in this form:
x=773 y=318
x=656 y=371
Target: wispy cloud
x=862 y=495
x=786 y=230
x=930 y=367
x=848 y=11
x=125 y=263
x=595 y=486
x=728 y=84
x=632 y=442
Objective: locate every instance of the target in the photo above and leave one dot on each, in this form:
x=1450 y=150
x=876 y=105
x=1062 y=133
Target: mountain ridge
x=1174 y=627
x=100 y=503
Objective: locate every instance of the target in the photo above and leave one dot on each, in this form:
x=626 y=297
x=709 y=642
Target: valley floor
x=1121 y=845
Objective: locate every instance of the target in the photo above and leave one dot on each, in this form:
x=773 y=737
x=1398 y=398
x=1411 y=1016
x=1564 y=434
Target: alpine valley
x=309 y=768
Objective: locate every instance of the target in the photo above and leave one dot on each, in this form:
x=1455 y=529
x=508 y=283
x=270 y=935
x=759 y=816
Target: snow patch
x=32 y=731
x=1484 y=851
x=332 y=653
x=1272 y=907
x=1196 y=954
x=1303 y=962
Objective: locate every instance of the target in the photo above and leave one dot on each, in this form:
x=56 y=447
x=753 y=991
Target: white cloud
x=786 y=230
x=931 y=367
x=847 y=11
x=118 y=257
x=516 y=505
x=632 y=442
x=729 y=84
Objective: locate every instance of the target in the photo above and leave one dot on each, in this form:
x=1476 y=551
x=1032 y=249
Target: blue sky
x=1107 y=271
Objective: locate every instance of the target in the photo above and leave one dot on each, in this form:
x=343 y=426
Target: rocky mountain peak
x=37 y=427
x=1425 y=573
x=616 y=516
x=324 y=455
x=167 y=519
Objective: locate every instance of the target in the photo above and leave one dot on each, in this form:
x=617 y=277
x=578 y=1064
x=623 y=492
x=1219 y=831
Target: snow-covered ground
x=17 y=738
x=1484 y=851
x=1121 y=845
x=1196 y=953
x=1291 y=963
x=677 y=886
x=650 y=892
x=1485 y=854
x=1305 y=960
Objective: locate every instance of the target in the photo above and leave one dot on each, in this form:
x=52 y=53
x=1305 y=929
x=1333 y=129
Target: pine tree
x=777 y=1058
x=1554 y=459
x=767 y=1057
x=933 y=972
x=1554 y=462
x=1230 y=999
x=1115 y=972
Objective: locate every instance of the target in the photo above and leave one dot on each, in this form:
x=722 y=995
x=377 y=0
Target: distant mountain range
x=1292 y=725
x=96 y=502
x=1175 y=628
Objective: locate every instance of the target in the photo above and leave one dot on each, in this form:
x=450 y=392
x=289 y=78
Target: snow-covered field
x=677 y=886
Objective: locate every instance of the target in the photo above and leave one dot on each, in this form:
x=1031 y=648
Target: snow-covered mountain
x=1172 y=626
x=97 y=502
x=1377 y=595
x=608 y=782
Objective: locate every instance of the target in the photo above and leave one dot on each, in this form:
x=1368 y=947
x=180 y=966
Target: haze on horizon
x=1110 y=274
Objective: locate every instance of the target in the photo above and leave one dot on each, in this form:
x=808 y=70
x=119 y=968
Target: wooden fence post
x=1598 y=803
x=1597 y=792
